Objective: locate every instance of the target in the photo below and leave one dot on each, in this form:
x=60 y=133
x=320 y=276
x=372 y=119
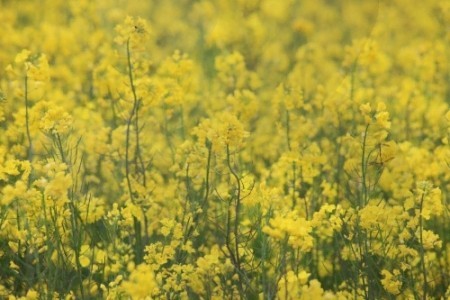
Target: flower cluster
x=224 y=149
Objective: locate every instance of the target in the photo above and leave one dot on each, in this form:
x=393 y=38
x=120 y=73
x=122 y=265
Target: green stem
x=27 y=123
x=136 y=222
x=363 y=200
x=422 y=250
x=237 y=208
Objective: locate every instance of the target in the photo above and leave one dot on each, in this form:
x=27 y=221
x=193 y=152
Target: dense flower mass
x=224 y=149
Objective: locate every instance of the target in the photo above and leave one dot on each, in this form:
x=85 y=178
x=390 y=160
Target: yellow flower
x=56 y=121
x=222 y=131
x=22 y=57
x=142 y=283
x=365 y=108
x=40 y=71
x=134 y=31
x=390 y=282
x=303 y=277
x=430 y=240
x=85 y=261
x=32 y=294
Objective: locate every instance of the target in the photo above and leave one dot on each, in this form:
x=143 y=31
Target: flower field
x=224 y=149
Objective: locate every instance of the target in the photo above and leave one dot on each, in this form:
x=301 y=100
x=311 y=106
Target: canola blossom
x=224 y=149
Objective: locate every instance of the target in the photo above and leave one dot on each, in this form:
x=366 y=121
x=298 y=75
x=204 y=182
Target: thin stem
x=208 y=167
x=237 y=208
x=129 y=120
x=136 y=222
x=294 y=165
x=27 y=123
x=422 y=250
x=364 y=195
x=60 y=148
x=288 y=130
x=140 y=166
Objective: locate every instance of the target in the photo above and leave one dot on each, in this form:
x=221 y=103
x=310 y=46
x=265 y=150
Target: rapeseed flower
x=224 y=149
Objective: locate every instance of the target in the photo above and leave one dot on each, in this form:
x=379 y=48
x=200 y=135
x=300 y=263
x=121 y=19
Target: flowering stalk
x=364 y=195
x=133 y=114
x=294 y=165
x=237 y=206
x=27 y=123
x=422 y=249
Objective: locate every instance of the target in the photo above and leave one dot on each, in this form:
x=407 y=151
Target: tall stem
x=364 y=194
x=27 y=122
x=136 y=222
x=422 y=250
x=237 y=208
